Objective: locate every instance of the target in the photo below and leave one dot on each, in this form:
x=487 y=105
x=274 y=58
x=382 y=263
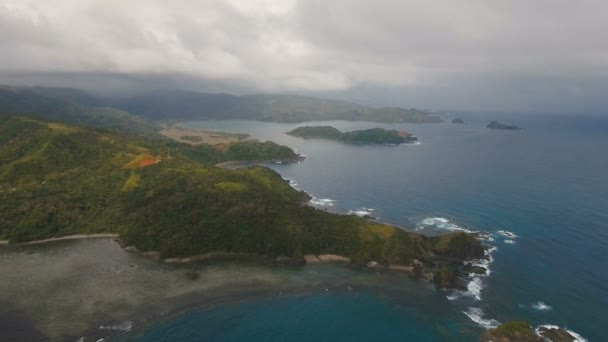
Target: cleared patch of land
x=196 y=137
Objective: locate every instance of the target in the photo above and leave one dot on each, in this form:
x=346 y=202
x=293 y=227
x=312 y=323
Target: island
x=458 y=121
x=372 y=136
x=499 y=126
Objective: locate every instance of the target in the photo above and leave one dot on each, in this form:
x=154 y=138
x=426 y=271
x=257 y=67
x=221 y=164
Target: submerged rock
x=193 y=273
x=448 y=278
x=469 y=268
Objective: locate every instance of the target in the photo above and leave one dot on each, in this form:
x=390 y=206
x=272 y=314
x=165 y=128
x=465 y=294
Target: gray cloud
x=470 y=54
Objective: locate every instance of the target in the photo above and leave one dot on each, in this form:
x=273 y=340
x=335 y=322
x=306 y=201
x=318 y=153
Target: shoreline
x=112 y=236
x=241 y=163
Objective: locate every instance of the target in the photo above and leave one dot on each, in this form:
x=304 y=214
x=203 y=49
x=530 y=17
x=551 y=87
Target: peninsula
x=372 y=136
x=166 y=199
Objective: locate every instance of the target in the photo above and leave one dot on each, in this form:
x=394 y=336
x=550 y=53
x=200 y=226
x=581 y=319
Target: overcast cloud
x=464 y=55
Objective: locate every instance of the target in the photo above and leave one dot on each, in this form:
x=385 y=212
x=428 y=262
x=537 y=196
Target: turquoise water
x=546 y=184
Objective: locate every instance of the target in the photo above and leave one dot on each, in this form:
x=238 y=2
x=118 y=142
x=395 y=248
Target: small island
x=372 y=136
x=522 y=331
x=499 y=126
x=458 y=121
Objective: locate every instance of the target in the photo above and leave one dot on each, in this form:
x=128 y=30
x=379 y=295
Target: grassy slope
x=57 y=179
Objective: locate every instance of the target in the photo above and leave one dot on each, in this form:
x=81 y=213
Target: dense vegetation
x=53 y=104
x=187 y=105
x=366 y=136
x=58 y=179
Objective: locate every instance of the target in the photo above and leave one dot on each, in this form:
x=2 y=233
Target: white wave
x=577 y=336
x=120 y=326
x=540 y=306
x=362 y=212
x=443 y=223
x=510 y=242
x=416 y=143
x=507 y=234
x=454 y=295
x=475 y=286
x=292 y=183
x=322 y=202
x=476 y=315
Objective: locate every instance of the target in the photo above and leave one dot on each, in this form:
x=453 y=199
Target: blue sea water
x=547 y=184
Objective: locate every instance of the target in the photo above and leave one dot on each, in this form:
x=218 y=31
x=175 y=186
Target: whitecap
x=510 y=242
x=476 y=315
x=540 y=306
x=507 y=234
x=292 y=183
x=119 y=326
x=322 y=202
x=443 y=223
x=362 y=212
x=475 y=286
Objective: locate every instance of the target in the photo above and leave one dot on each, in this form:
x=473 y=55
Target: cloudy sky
x=506 y=55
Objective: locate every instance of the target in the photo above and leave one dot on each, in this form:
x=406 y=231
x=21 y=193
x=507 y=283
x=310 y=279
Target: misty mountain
x=181 y=104
x=69 y=105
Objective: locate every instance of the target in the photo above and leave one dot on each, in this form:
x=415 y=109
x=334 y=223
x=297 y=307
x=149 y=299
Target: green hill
x=367 y=136
x=58 y=179
x=57 y=104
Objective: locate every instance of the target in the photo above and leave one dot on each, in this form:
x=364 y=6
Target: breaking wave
x=443 y=223
x=322 y=202
x=362 y=212
x=476 y=315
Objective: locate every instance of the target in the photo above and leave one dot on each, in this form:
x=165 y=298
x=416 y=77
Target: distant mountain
x=67 y=105
x=180 y=105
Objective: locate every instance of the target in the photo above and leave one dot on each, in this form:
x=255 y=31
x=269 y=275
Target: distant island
x=499 y=126
x=458 y=121
x=372 y=136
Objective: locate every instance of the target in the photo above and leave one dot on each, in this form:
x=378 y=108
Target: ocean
x=541 y=192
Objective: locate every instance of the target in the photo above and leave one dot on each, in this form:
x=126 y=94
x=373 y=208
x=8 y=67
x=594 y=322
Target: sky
x=498 y=55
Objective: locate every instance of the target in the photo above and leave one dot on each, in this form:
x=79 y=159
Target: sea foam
x=476 y=315
x=322 y=202
x=507 y=234
x=362 y=212
x=540 y=306
x=577 y=336
x=443 y=223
